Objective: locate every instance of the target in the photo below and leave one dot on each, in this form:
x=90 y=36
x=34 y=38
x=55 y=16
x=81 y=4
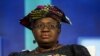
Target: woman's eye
x=52 y=26
x=39 y=26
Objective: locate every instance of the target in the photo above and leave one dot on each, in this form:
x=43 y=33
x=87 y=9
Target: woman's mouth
x=45 y=36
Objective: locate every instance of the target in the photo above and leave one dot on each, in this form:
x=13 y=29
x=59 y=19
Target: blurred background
x=85 y=28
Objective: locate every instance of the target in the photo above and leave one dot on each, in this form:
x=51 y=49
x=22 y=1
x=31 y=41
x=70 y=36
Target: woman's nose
x=45 y=29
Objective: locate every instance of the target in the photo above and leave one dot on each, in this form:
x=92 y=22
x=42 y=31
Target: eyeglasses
x=48 y=25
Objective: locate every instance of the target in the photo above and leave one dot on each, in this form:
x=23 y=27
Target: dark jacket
x=67 y=50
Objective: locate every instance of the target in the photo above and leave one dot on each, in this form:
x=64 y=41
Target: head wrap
x=42 y=11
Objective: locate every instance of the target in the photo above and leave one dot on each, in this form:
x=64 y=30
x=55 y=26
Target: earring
x=34 y=41
x=57 y=42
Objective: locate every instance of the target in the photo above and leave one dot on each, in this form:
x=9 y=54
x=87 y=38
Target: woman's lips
x=45 y=36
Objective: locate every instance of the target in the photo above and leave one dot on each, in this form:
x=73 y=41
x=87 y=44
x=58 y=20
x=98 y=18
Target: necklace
x=38 y=50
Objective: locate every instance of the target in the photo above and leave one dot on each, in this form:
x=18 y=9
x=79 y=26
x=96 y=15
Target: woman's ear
x=32 y=30
x=59 y=30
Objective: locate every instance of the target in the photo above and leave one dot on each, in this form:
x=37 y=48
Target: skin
x=46 y=38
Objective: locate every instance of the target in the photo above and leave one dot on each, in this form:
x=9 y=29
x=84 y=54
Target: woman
x=45 y=23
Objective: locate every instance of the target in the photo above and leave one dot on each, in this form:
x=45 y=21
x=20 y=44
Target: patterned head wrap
x=44 y=11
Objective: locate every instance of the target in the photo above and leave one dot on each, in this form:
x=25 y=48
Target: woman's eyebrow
x=39 y=22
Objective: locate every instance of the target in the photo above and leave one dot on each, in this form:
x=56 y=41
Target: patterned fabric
x=44 y=11
x=68 y=50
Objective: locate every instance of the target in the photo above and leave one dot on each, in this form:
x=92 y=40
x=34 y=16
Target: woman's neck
x=47 y=47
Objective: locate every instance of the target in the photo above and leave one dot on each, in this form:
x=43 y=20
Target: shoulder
x=75 y=46
x=78 y=50
x=19 y=53
x=78 y=47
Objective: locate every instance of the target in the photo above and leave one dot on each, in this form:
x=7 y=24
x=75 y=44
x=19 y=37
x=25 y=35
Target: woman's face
x=46 y=30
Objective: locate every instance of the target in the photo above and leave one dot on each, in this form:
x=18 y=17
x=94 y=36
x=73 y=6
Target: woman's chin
x=45 y=41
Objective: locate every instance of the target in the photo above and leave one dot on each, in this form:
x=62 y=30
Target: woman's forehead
x=46 y=20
